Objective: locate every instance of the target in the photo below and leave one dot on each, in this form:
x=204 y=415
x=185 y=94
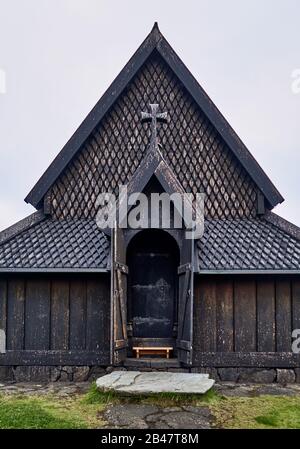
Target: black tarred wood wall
x=63 y=320
x=246 y=321
x=55 y=319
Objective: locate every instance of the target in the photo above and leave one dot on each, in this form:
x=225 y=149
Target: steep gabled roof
x=155 y=41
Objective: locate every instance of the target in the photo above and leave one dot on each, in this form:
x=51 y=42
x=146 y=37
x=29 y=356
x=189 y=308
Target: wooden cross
x=154 y=117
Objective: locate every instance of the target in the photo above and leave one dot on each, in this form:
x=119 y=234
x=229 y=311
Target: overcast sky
x=57 y=57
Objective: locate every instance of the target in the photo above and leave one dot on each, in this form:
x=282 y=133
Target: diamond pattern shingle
x=57 y=244
x=251 y=244
x=248 y=244
x=190 y=145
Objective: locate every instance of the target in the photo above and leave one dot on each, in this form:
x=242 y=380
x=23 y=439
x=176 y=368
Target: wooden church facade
x=74 y=297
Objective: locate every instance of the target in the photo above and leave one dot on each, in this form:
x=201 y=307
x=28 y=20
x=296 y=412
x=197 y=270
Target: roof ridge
x=22 y=225
x=283 y=224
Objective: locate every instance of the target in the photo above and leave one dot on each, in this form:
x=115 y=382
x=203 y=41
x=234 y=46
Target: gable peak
x=155 y=27
x=155 y=34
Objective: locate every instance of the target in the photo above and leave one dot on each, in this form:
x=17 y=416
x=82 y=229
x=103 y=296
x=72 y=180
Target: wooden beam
x=52 y=358
x=246 y=359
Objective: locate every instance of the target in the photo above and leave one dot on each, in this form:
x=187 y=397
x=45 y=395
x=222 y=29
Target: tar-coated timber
x=245 y=315
x=251 y=315
x=154 y=165
x=77 y=315
x=246 y=359
x=206 y=333
x=184 y=341
x=97 y=321
x=15 y=314
x=224 y=316
x=260 y=203
x=283 y=316
x=237 y=322
x=296 y=304
x=60 y=314
x=54 y=319
x=55 y=357
x=119 y=341
x=153 y=259
x=37 y=315
x=3 y=305
x=265 y=315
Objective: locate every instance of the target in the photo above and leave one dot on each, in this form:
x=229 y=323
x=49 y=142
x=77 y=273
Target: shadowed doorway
x=153 y=259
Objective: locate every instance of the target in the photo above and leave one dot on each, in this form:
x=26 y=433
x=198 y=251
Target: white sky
x=57 y=57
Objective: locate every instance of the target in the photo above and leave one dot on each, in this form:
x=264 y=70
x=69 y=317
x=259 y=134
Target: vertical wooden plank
x=196 y=314
x=37 y=316
x=60 y=314
x=265 y=315
x=3 y=304
x=296 y=304
x=78 y=314
x=205 y=323
x=283 y=316
x=245 y=315
x=15 y=314
x=97 y=335
x=224 y=311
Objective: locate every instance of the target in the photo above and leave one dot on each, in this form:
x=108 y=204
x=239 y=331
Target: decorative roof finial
x=154 y=117
x=155 y=26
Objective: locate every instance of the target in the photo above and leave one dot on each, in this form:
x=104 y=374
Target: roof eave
x=54 y=270
x=22 y=225
x=247 y=272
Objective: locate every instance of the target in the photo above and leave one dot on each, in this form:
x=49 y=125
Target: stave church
x=76 y=299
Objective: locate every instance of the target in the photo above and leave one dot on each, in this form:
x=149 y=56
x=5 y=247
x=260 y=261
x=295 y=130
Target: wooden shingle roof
x=55 y=245
x=251 y=245
x=261 y=245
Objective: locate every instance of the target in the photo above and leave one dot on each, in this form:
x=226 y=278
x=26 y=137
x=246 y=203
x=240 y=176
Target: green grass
x=230 y=412
x=286 y=417
x=176 y=399
x=80 y=411
x=51 y=412
x=95 y=396
x=85 y=410
x=261 y=412
x=34 y=414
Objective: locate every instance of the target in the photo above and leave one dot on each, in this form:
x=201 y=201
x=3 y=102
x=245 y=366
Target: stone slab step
x=136 y=382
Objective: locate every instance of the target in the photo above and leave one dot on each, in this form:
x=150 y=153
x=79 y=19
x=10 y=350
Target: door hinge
x=184 y=268
x=122 y=267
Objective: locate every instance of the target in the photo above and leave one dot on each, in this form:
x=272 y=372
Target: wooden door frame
x=176 y=239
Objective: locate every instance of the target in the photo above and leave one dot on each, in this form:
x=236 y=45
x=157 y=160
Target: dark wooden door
x=153 y=285
x=185 y=303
